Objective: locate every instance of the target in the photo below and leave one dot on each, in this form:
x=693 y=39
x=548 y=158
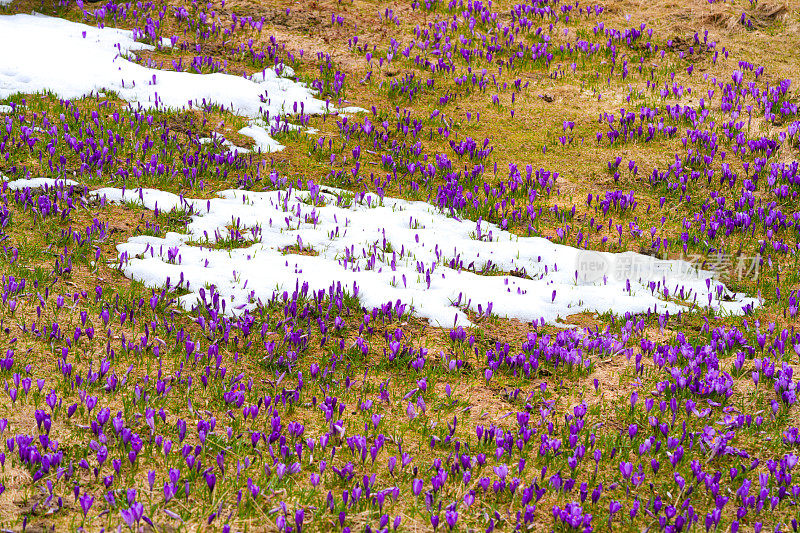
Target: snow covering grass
x=263 y=142
x=88 y=59
x=77 y=60
x=416 y=254
x=35 y=183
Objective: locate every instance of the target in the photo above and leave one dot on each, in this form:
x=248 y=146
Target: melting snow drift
x=73 y=60
x=397 y=249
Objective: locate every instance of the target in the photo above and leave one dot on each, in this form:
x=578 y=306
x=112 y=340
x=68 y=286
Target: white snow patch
x=225 y=142
x=74 y=60
x=35 y=183
x=396 y=250
x=5 y=108
x=264 y=143
x=347 y=111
